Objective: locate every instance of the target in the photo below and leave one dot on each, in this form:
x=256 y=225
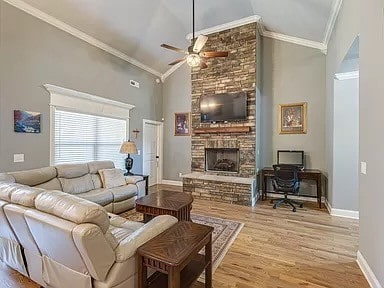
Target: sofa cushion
x=95 y=166
x=6 y=190
x=35 y=176
x=77 y=185
x=71 y=170
x=112 y=178
x=96 y=181
x=133 y=179
x=123 y=192
x=100 y=196
x=25 y=195
x=72 y=208
x=53 y=184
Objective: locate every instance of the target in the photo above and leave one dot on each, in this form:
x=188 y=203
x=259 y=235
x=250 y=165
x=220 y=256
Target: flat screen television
x=224 y=107
x=291 y=157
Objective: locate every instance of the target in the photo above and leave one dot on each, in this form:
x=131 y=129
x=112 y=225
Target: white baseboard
x=367 y=271
x=172 y=182
x=341 y=212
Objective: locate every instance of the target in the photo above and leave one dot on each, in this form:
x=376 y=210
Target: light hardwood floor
x=276 y=248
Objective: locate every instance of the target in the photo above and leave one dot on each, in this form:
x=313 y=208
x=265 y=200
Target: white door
x=151 y=147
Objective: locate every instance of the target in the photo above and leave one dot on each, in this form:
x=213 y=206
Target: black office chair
x=286 y=181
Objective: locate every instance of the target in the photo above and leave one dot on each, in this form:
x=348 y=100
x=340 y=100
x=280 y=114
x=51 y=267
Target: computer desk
x=306 y=174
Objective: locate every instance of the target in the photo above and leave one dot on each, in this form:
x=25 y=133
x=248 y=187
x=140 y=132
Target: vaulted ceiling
x=138 y=27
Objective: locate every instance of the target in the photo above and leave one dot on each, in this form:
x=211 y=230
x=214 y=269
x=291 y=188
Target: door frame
x=160 y=137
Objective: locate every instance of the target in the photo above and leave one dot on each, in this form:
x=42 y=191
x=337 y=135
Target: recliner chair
x=286 y=181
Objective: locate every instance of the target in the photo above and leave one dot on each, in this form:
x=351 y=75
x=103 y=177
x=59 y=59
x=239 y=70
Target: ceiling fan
x=193 y=55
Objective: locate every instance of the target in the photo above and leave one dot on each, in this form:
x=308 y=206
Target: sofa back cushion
x=77 y=185
x=25 y=195
x=71 y=170
x=53 y=184
x=35 y=176
x=72 y=208
x=94 y=168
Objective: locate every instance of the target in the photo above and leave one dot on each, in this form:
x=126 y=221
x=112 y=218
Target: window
x=82 y=138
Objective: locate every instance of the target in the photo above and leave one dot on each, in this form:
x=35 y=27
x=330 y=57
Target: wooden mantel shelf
x=217 y=130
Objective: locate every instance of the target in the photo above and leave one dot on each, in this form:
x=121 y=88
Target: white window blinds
x=82 y=138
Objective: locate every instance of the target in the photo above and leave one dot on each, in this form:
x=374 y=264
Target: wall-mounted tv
x=224 y=107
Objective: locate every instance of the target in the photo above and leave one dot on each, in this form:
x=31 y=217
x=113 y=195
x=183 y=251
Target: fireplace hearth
x=222 y=159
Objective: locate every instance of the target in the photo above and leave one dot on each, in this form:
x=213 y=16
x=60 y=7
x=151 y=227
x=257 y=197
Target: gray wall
x=371 y=136
x=345 y=31
x=346 y=145
x=177 y=98
x=292 y=74
x=34 y=53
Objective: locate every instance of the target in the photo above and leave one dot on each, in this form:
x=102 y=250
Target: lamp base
x=128 y=165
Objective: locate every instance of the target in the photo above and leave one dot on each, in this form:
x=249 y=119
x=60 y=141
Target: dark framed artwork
x=26 y=121
x=293 y=118
x=182 y=124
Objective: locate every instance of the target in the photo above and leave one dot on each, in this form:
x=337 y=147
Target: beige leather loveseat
x=60 y=240
x=82 y=180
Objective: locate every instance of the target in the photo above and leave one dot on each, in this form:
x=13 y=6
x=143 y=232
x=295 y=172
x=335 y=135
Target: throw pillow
x=112 y=177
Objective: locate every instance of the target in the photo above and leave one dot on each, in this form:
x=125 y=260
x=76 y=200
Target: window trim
x=75 y=101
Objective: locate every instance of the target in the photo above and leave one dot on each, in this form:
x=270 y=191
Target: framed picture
x=293 y=118
x=26 y=121
x=182 y=124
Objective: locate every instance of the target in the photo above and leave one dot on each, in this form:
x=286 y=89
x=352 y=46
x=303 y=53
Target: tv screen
x=224 y=107
x=290 y=157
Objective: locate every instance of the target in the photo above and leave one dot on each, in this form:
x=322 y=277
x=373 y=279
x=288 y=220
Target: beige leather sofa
x=60 y=240
x=82 y=180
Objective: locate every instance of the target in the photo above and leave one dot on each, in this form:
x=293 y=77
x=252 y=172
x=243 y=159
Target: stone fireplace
x=224 y=154
x=222 y=159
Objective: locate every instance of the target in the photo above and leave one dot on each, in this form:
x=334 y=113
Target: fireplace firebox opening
x=222 y=159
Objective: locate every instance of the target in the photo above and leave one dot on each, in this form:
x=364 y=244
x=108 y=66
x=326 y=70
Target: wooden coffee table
x=175 y=253
x=177 y=204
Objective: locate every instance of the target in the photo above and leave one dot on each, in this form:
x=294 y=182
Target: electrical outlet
x=138 y=152
x=17 y=158
x=180 y=174
x=363 y=168
x=134 y=83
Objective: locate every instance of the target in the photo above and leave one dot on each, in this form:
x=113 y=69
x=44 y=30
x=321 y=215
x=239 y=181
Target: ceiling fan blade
x=199 y=44
x=213 y=54
x=177 y=61
x=166 y=46
x=203 y=65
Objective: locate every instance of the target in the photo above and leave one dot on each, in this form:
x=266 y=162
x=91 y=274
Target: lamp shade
x=128 y=147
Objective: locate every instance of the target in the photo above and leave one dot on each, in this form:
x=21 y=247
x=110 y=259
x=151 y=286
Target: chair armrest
x=128 y=246
x=133 y=179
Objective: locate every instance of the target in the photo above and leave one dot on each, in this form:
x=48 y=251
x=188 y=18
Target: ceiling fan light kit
x=194 y=57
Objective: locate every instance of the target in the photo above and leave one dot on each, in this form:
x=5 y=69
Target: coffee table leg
x=142 y=273
x=173 y=278
x=208 y=259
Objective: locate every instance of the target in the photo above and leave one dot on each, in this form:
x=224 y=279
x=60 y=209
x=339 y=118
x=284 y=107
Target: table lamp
x=128 y=147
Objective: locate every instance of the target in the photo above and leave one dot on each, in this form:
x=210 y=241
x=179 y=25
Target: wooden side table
x=175 y=253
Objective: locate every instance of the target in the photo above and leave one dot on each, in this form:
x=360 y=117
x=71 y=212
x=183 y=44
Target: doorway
x=152 y=151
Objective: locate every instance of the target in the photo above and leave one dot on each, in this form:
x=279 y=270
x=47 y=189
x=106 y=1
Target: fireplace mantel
x=217 y=130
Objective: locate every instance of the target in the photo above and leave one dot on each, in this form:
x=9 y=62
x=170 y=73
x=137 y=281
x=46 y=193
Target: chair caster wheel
x=294 y=209
x=301 y=205
x=274 y=206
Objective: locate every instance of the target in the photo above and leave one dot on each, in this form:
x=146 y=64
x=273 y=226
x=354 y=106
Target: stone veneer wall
x=235 y=73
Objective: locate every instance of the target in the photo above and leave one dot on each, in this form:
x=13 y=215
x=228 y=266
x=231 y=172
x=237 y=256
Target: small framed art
x=182 y=124
x=293 y=118
x=26 y=121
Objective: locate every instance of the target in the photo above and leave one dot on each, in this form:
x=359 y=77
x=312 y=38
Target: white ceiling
x=138 y=27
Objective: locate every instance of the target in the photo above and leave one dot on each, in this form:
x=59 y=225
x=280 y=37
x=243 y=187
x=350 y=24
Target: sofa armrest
x=128 y=246
x=133 y=179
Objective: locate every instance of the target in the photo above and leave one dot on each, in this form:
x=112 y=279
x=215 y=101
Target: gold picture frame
x=293 y=118
x=183 y=124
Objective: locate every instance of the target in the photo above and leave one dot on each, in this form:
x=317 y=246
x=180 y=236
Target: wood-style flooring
x=275 y=249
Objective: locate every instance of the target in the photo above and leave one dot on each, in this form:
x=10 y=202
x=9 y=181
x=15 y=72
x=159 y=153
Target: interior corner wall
x=177 y=98
x=33 y=53
x=293 y=74
x=346 y=29
x=371 y=229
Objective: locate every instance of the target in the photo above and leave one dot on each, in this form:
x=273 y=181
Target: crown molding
x=79 y=34
x=171 y=70
x=336 y=7
x=226 y=26
x=347 y=75
x=295 y=40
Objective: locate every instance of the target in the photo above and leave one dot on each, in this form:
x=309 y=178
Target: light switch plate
x=363 y=168
x=17 y=158
x=138 y=152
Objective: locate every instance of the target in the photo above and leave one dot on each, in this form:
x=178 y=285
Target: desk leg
x=173 y=278
x=208 y=259
x=263 y=186
x=142 y=273
x=318 y=184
